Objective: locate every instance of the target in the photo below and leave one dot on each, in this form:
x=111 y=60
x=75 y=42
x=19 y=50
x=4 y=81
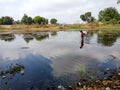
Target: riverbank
x=94 y=26
x=52 y=28
x=32 y=28
x=111 y=82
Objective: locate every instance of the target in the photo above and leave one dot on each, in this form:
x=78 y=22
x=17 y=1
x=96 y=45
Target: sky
x=65 y=11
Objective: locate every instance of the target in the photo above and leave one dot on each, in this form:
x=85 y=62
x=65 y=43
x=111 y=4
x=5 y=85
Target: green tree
x=17 y=22
x=83 y=17
x=37 y=20
x=53 y=21
x=29 y=20
x=113 y=21
x=43 y=21
x=6 y=20
x=87 y=17
x=26 y=20
x=1 y=21
x=108 y=14
x=46 y=21
x=40 y=20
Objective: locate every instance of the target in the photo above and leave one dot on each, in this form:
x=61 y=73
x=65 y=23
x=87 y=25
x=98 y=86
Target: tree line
x=27 y=20
x=108 y=15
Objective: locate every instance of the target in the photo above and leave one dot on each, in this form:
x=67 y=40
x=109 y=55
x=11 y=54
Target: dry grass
x=52 y=28
x=27 y=28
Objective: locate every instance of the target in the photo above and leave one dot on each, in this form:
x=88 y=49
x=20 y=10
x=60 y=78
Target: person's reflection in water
x=82 y=39
x=82 y=43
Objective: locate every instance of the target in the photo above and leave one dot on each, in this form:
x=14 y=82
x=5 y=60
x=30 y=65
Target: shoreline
x=52 y=28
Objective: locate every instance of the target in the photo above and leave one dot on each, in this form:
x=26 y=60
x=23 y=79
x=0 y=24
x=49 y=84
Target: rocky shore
x=109 y=83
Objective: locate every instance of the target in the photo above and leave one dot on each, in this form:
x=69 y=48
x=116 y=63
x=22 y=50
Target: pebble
x=60 y=87
x=107 y=88
x=22 y=72
x=3 y=77
x=119 y=73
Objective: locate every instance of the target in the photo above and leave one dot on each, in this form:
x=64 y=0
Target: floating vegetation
x=12 y=70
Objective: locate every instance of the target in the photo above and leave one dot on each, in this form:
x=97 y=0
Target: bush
x=113 y=21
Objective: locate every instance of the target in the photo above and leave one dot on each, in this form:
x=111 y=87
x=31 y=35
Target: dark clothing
x=82 y=35
x=82 y=39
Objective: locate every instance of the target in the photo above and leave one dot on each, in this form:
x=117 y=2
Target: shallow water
x=47 y=60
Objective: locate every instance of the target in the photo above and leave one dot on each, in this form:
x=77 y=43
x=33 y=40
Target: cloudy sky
x=67 y=11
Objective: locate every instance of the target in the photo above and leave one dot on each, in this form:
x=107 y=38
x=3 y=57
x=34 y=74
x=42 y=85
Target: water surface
x=47 y=60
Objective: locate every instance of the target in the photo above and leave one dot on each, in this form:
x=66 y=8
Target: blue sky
x=67 y=11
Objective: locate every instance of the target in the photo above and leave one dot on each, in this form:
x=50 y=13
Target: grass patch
x=75 y=27
x=109 y=27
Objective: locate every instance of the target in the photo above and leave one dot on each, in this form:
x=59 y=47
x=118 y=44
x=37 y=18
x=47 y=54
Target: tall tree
x=53 y=21
x=1 y=21
x=6 y=20
x=87 y=17
x=26 y=20
x=46 y=21
x=37 y=20
x=83 y=17
x=109 y=13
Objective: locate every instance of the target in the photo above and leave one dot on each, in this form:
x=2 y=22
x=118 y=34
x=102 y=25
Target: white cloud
x=64 y=10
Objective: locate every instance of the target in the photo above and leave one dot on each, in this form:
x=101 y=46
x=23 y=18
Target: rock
x=78 y=84
x=22 y=72
x=119 y=73
x=107 y=69
x=84 y=87
x=107 y=88
x=105 y=83
x=70 y=88
x=60 y=87
x=3 y=77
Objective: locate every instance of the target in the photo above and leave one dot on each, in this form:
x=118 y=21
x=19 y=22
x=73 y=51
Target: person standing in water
x=82 y=39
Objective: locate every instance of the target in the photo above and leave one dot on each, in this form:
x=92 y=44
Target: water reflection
x=57 y=60
x=82 y=43
x=107 y=39
x=28 y=37
x=53 y=33
x=98 y=71
x=41 y=36
x=12 y=70
x=82 y=38
x=7 y=37
x=88 y=37
x=85 y=38
x=9 y=72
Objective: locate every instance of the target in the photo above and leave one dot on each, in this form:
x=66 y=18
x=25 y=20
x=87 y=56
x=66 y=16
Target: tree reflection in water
x=28 y=37
x=38 y=36
x=10 y=71
x=53 y=33
x=41 y=36
x=107 y=39
x=7 y=37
